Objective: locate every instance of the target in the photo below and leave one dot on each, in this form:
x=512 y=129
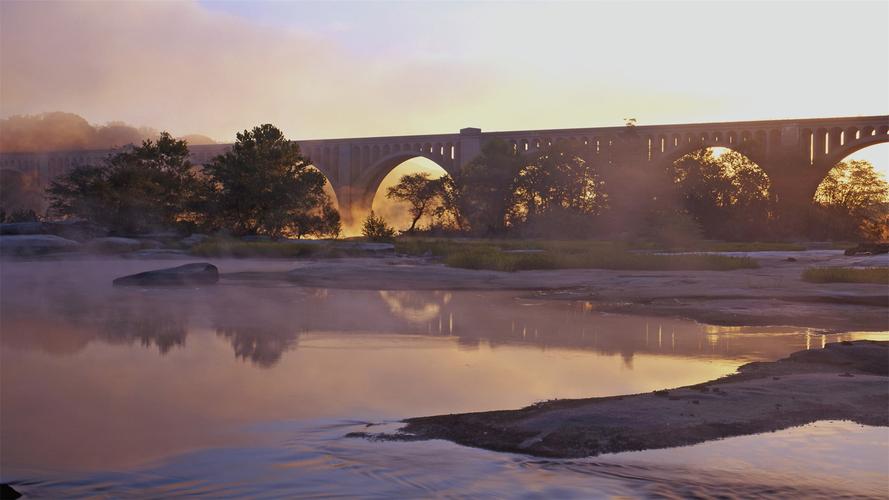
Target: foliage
x=878 y=275
x=727 y=195
x=375 y=228
x=136 y=190
x=265 y=186
x=19 y=191
x=852 y=201
x=420 y=191
x=558 y=180
x=486 y=188
x=20 y=215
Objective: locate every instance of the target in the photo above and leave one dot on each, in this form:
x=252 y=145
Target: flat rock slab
x=186 y=275
x=35 y=244
x=844 y=381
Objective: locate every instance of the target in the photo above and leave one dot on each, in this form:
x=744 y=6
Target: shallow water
x=243 y=389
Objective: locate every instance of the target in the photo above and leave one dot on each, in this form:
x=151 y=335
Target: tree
x=420 y=192
x=136 y=190
x=264 y=185
x=852 y=201
x=559 y=177
x=375 y=228
x=487 y=188
x=728 y=195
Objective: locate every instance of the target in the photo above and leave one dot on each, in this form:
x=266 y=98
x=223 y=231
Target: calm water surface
x=248 y=389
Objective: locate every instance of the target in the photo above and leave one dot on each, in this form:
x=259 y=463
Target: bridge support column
x=792 y=187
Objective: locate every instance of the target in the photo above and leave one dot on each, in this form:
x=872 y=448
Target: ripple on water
x=317 y=461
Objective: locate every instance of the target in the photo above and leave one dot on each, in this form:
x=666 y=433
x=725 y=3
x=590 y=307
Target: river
x=248 y=389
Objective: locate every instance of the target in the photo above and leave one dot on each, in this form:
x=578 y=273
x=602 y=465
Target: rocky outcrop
x=844 y=381
x=25 y=245
x=868 y=249
x=186 y=275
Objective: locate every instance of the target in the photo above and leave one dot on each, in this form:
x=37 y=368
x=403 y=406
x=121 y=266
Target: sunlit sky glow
x=337 y=69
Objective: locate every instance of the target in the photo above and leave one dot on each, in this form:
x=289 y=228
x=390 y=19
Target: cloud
x=342 y=69
x=176 y=65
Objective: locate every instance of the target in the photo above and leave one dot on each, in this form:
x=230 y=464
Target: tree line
x=564 y=191
x=264 y=185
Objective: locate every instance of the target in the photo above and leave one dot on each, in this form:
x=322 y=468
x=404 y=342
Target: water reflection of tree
x=127 y=324
x=262 y=346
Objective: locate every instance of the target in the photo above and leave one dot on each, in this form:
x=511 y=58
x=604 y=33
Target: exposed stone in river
x=189 y=274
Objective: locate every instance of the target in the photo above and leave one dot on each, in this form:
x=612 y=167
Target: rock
x=35 y=244
x=7 y=492
x=77 y=230
x=193 y=239
x=22 y=228
x=113 y=244
x=868 y=249
x=189 y=274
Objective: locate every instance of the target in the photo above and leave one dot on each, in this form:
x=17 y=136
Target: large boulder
x=24 y=245
x=187 y=275
x=113 y=244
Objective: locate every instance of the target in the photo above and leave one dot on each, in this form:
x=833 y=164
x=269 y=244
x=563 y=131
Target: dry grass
x=526 y=255
x=257 y=249
x=878 y=275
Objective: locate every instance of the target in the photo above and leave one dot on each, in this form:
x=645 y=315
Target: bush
x=376 y=229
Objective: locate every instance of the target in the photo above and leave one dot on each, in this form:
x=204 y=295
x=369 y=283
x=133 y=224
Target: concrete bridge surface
x=795 y=154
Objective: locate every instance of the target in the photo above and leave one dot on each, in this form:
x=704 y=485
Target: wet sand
x=844 y=381
x=774 y=294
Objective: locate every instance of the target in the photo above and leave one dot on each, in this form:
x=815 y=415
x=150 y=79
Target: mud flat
x=844 y=381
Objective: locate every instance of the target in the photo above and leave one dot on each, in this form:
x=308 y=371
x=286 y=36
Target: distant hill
x=61 y=131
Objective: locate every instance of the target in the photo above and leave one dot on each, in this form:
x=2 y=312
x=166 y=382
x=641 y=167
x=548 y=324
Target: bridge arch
x=840 y=144
x=673 y=151
x=432 y=159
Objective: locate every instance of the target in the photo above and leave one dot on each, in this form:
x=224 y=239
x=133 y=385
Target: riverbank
x=844 y=381
x=772 y=294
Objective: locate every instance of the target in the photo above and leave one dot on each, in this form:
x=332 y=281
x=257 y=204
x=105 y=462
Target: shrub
x=376 y=229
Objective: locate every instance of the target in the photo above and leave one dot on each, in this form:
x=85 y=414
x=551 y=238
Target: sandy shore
x=774 y=294
x=844 y=381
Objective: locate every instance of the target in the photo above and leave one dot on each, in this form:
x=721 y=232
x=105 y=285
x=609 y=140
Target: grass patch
x=742 y=246
x=511 y=255
x=878 y=275
x=260 y=249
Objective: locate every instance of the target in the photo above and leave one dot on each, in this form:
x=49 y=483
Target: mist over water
x=250 y=387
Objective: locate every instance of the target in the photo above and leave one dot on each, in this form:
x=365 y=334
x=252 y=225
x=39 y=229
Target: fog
x=60 y=131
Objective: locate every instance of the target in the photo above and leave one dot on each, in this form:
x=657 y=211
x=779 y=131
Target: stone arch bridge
x=795 y=154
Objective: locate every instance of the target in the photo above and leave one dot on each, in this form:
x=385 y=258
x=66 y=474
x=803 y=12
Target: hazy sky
x=370 y=68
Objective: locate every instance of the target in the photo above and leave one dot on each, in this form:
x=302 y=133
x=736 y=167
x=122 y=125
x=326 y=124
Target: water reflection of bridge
x=263 y=325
